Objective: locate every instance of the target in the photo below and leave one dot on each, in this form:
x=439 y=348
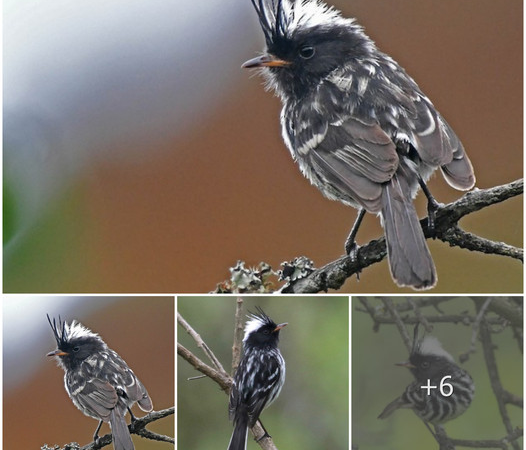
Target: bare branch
x=399 y=323
x=136 y=427
x=200 y=343
x=418 y=313
x=493 y=371
x=335 y=273
x=224 y=381
x=476 y=325
x=503 y=443
x=238 y=335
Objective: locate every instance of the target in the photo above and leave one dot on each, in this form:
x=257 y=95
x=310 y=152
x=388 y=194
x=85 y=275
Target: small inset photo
x=263 y=372
x=88 y=372
x=437 y=373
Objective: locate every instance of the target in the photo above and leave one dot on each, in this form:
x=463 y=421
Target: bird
x=258 y=378
x=359 y=127
x=431 y=365
x=97 y=379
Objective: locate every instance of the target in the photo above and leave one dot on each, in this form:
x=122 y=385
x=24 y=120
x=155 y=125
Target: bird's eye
x=265 y=331
x=425 y=365
x=307 y=52
x=76 y=349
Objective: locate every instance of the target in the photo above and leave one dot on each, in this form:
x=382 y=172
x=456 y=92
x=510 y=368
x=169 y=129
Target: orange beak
x=57 y=353
x=406 y=364
x=280 y=326
x=265 y=61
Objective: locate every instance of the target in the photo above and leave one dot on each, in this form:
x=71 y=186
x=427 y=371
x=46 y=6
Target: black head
x=261 y=330
x=75 y=343
x=428 y=360
x=306 y=40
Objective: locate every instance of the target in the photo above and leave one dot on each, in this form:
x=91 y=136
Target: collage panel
x=437 y=372
x=107 y=354
x=312 y=409
x=139 y=151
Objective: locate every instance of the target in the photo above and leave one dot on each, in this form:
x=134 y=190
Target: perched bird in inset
x=259 y=377
x=359 y=127
x=98 y=380
x=431 y=365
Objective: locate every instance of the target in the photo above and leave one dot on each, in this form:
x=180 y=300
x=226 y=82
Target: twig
x=491 y=364
x=137 y=427
x=500 y=443
x=444 y=442
x=508 y=309
x=371 y=311
x=399 y=323
x=335 y=273
x=238 y=335
x=224 y=381
x=200 y=343
x=474 y=334
x=418 y=313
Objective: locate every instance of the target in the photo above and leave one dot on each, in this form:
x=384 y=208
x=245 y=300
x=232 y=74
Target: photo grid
x=262 y=224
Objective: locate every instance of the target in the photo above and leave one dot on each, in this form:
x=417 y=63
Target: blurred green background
x=312 y=411
x=376 y=381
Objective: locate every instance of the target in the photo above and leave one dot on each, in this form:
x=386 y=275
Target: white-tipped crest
x=431 y=346
x=311 y=13
x=255 y=323
x=76 y=330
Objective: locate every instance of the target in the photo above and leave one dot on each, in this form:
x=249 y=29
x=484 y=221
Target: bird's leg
x=351 y=248
x=432 y=206
x=429 y=428
x=266 y=435
x=96 y=434
x=132 y=416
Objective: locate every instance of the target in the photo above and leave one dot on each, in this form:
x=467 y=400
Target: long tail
x=392 y=407
x=409 y=257
x=120 y=433
x=238 y=441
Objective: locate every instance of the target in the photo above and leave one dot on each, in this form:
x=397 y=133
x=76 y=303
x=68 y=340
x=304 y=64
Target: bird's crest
x=280 y=18
x=257 y=320
x=428 y=345
x=65 y=332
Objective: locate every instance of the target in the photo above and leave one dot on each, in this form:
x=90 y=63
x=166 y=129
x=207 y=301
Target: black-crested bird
x=359 y=127
x=98 y=380
x=259 y=377
x=452 y=388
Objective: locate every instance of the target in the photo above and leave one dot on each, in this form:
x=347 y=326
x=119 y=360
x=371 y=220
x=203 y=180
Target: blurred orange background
x=141 y=330
x=227 y=189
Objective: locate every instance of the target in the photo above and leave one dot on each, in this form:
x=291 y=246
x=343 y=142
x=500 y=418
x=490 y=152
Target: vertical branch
x=370 y=309
x=493 y=372
x=388 y=303
x=443 y=439
x=418 y=313
x=475 y=330
x=238 y=335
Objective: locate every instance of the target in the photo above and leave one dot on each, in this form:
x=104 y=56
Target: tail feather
x=392 y=407
x=459 y=171
x=410 y=261
x=120 y=433
x=238 y=441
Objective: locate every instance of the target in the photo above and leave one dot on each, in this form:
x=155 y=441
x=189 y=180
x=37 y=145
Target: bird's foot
x=352 y=249
x=266 y=435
